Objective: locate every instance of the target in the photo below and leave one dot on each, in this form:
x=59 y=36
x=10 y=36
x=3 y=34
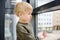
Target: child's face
x=26 y=17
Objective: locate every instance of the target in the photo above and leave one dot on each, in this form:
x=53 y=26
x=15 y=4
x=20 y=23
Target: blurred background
x=46 y=18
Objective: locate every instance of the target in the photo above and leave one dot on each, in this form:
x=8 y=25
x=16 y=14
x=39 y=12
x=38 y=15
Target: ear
x=20 y=14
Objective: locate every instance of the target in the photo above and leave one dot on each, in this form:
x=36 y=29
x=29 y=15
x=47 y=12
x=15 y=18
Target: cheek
x=27 y=17
x=30 y=17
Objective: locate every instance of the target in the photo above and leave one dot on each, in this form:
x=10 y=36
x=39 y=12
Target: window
x=42 y=2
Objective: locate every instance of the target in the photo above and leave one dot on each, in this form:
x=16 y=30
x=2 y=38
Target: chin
x=27 y=21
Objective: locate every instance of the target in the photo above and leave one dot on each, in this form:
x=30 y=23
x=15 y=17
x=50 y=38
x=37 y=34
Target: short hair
x=22 y=7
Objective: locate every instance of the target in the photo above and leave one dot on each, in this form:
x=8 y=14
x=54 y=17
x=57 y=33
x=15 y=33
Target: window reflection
x=50 y=24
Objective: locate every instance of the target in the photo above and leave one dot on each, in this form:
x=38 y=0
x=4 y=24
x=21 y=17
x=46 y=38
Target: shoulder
x=19 y=25
x=22 y=28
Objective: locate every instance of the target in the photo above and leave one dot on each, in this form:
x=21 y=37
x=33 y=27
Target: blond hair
x=22 y=8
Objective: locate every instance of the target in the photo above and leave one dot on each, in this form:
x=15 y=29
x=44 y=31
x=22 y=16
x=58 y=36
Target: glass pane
x=49 y=25
x=42 y=2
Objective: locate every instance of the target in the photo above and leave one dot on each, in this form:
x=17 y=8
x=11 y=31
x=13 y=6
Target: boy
x=24 y=30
